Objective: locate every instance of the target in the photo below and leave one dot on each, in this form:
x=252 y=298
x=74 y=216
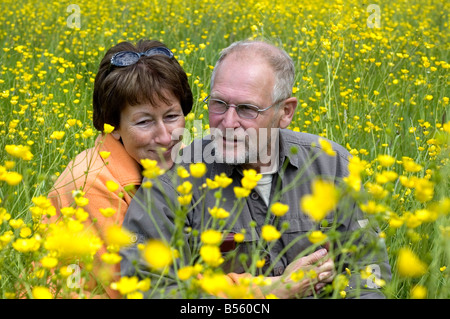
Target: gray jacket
x=151 y=215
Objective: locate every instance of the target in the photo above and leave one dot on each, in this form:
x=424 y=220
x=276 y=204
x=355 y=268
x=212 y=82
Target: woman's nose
x=163 y=135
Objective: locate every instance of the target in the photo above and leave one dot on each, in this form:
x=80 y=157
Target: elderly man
x=250 y=107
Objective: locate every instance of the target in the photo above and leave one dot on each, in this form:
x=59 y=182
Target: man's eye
x=245 y=107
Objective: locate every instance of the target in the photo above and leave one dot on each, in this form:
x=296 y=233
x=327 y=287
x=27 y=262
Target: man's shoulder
x=307 y=142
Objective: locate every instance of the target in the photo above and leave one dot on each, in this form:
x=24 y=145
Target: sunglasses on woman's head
x=126 y=58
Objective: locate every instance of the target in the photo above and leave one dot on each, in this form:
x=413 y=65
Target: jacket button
x=254 y=196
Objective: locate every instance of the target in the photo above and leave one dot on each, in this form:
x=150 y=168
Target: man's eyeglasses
x=126 y=58
x=246 y=111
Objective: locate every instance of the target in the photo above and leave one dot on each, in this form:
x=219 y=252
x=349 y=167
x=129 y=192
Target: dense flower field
x=371 y=77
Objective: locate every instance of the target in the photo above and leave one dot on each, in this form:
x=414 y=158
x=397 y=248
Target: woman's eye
x=172 y=117
x=143 y=122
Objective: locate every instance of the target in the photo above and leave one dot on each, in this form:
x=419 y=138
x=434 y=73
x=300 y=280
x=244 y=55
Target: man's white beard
x=248 y=147
x=237 y=151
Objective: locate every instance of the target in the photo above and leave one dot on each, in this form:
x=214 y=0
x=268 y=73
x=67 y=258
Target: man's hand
x=287 y=286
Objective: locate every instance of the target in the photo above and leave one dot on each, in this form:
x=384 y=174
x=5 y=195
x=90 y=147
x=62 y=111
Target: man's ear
x=287 y=111
x=115 y=134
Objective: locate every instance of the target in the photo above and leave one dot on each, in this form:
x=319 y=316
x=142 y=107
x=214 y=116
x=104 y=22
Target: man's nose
x=231 y=118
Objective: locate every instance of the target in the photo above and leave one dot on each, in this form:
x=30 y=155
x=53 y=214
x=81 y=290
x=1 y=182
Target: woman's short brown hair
x=145 y=81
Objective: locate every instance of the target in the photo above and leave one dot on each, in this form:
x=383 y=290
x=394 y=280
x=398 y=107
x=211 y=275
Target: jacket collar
x=123 y=167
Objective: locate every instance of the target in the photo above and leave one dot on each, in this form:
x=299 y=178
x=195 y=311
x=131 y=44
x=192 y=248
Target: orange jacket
x=89 y=172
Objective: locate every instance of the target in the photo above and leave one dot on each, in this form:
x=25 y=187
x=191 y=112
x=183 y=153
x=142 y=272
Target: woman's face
x=147 y=131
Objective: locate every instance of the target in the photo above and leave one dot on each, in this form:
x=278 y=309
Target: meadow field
x=371 y=76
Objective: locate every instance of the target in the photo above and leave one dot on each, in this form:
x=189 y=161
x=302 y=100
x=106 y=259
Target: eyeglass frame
x=152 y=51
x=228 y=105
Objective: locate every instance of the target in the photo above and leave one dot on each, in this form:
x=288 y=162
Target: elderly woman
x=143 y=93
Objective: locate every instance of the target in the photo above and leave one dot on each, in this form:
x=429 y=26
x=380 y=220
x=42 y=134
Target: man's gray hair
x=277 y=58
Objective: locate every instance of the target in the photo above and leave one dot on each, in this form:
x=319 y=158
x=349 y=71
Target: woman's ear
x=115 y=134
x=287 y=111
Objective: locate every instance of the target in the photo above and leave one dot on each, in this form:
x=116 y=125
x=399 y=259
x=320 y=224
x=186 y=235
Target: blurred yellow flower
x=12 y=178
x=322 y=201
x=111 y=258
x=107 y=212
x=112 y=186
x=218 y=212
x=118 y=236
x=222 y=181
x=71 y=240
x=239 y=237
x=211 y=237
x=316 y=237
x=185 y=199
x=57 y=135
x=409 y=265
x=157 y=254
x=39 y=292
x=49 y=262
x=19 y=151
x=126 y=285
x=418 y=292
x=386 y=160
x=182 y=172
x=211 y=255
x=185 y=188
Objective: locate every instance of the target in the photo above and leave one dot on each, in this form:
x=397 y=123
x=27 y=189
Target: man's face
x=243 y=80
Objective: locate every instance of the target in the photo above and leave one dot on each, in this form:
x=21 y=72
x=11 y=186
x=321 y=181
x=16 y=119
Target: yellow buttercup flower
x=185 y=188
x=317 y=236
x=211 y=255
x=326 y=147
x=250 y=179
x=126 y=285
x=108 y=128
x=111 y=258
x=41 y=293
x=157 y=254
x=270 y=233
x=418 y=292
x=386 y=160
x=239 y=237
x=112 y=186
x=182 y=172
x=117 y=236
x=211 y=237
x=104 y=154
x=241 y=192
x=19 y=151
x=409 y=265
x=185 y=199
x=57 y=135
x=218 y=212
x=279 y=209
x=107 y=212
x=322 y=201
x=222 y=180
x=49 y=262
x=197 y=170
